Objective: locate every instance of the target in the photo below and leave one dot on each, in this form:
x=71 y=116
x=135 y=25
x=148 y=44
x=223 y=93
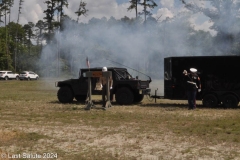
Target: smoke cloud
x=133 y=44
x=138 y=46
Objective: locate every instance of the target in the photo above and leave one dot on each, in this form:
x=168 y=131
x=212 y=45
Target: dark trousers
x=104 y=93
x=192 y=99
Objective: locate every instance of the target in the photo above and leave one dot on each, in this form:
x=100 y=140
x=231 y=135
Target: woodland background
x=54 y=45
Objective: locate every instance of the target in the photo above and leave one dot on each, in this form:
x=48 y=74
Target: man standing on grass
x=193 y=84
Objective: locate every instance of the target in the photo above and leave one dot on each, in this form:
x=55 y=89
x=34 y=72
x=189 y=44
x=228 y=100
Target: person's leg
x=104 y=90
x=194 y=99
x=190 y=100
x=111 y=95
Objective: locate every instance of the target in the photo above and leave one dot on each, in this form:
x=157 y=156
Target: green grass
x=33 y=121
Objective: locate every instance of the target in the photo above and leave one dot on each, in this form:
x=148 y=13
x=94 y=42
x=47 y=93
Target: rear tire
x=138 y=98
x=124 y=96
x=210 y=100
x=230 y=101
x=65 y=95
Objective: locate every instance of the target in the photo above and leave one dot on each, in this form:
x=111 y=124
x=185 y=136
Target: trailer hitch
x=156 y=96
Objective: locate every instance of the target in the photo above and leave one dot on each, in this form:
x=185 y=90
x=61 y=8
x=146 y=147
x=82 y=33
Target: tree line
x=21 y=46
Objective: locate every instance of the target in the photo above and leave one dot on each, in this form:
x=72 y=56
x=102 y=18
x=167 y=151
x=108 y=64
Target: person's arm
x=199 y=85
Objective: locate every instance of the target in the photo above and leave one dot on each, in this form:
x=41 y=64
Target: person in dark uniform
x=193 y=84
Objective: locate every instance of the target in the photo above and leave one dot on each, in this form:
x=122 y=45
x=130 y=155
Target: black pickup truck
x=127 y=89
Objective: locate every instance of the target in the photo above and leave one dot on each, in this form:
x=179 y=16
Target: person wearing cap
x=193 y=84
x=103 y=82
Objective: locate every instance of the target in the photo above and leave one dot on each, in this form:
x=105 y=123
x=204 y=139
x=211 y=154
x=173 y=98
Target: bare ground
x=146 y=131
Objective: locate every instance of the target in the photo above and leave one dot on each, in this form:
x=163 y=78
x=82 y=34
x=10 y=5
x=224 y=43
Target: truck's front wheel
x=81 y=98
x=124 y=96
x=138 y=98
x=65 y=95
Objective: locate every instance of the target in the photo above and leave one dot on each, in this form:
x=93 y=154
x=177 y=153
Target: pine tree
x=10 y=4
x=29 y=35
x=16 y=37
x=147 y=4
x=40 y=25
x=133 y=5
x=81 y=10
x=60 y=5
x=51 y=7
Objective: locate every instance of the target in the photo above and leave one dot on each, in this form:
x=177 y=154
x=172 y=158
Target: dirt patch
x=35 y=122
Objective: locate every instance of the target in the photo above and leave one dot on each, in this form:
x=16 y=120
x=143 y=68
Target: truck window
x=122 y=74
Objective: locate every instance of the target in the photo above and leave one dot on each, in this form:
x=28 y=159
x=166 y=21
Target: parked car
x=28 y=75
x=8 y=75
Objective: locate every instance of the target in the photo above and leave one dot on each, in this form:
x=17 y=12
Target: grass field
x=34 y=124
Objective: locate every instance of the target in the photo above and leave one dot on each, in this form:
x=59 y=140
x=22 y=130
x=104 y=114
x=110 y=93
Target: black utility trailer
x=219 y=75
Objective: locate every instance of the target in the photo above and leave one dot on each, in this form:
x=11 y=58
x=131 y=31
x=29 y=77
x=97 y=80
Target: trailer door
x=168 y=91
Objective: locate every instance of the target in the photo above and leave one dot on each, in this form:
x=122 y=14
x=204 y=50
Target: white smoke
x=138 y=46
x=132 y=44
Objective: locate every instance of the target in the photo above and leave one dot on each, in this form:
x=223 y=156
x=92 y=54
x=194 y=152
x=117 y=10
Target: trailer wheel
x=124 y=96
x=138 y=98
x=230 y=101
x=81 y=98
x=210 y=100
x=65 y=95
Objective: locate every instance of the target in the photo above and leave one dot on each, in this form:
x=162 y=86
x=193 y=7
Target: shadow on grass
x=74 y=102
x=80 y=103
x=97 y=105
x=172 y=105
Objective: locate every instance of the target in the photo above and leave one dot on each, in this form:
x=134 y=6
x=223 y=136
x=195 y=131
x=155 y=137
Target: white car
x=8 y=75
x=28 y=75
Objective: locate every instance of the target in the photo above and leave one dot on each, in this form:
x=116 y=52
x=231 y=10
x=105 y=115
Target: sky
x=32 y=11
